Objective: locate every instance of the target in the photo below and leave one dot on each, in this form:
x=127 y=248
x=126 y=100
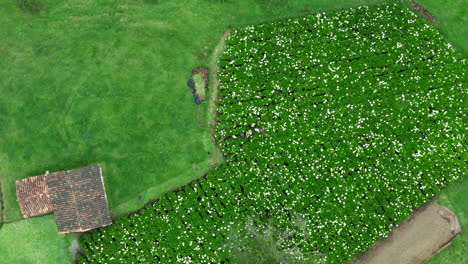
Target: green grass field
x=86 y=82
x=34 y=240
x=82 y=86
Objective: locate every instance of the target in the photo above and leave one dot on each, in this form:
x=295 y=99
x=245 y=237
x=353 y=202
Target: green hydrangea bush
x=345 y=120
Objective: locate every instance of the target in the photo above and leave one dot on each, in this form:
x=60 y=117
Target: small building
x=77 y=198
x=33 y=196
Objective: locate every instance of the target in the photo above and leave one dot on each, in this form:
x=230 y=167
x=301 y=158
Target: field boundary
x=213 y=89
x=417 y=8
x=172 y=185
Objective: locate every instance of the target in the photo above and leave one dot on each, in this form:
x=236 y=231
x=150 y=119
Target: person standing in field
x=250 y=132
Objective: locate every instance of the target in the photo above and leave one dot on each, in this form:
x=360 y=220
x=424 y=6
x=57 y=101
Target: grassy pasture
x=34 y=240
x=80 y=86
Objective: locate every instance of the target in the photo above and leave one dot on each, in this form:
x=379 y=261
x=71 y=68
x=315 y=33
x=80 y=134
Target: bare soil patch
x=428 y=229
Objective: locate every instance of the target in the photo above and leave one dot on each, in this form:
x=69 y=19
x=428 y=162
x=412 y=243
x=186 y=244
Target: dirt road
x=426 y=231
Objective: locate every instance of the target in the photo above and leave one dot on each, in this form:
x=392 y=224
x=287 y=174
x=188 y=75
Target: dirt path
x=424 y=12
x=426 y=231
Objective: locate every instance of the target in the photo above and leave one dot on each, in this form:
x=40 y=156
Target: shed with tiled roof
x=33 y=196
x=77 y=197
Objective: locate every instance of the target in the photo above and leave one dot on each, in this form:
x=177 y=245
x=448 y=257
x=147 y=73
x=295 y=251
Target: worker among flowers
x=249 y=132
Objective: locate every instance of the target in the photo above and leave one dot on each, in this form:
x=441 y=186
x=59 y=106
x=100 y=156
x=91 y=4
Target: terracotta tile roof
x=33 y=196
x=79 y=199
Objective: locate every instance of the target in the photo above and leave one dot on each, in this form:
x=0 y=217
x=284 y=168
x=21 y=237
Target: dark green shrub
x=80 y=259
x=32 y=6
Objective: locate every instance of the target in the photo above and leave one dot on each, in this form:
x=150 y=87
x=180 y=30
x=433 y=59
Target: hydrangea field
x=363 y=116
